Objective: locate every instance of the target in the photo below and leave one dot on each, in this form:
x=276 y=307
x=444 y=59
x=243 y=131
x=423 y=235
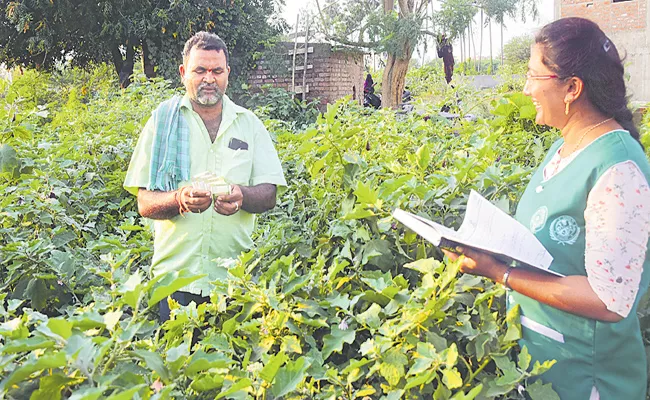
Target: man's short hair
x=205 y=41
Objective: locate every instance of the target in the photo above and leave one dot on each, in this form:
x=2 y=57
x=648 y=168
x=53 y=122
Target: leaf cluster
x=45 y=34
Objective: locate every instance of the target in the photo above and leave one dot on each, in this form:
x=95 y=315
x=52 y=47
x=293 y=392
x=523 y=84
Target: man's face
x=205 y=76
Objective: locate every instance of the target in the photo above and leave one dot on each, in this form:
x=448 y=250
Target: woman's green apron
x=609 y=356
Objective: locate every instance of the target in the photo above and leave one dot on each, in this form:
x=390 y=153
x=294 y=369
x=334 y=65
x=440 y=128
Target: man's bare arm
x=253 y=199
x=258 y=198
x=156 y=204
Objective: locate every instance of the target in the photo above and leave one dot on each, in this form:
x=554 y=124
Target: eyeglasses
x=530 y=76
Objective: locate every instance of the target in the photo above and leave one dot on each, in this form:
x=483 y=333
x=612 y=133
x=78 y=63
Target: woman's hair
x=578 y=47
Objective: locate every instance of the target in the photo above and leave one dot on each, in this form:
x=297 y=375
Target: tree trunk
x=480 y=46
x=462 y=51
x=502 y=43
x=147 y=65
x=476 y=59
x=392 y=85
x=490 y=34
x=424 y=41
x=117 y=59
x=469 y=43
x=127 y=68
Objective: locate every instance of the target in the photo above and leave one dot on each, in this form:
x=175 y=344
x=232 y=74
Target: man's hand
x=196 y=200
x=229 y=204
x=156 y=204
x=253 y=199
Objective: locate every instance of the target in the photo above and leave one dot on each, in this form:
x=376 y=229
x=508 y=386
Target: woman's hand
x=476 y=262
x=572 y=294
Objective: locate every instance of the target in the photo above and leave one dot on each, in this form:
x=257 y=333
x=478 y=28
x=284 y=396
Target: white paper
x=485 y=227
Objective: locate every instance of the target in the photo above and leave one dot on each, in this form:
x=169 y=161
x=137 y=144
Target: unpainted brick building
x=627 y=23
x=331 y=73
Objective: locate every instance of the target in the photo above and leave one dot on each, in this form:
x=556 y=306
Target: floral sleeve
x=617 y=228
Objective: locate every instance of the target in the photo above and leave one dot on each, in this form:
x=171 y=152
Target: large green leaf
x=334 y=341
x=9 y=162
x=272 y=366
x=50 y=387
x=202 y=361
x=34 y=364
x=236 y=387
x=392 y=366
x=471 y=395
x=451 y=378
x=87 y=393
x=170 y=283
x=541 y=391
x=128 y=394
x=60 y=327
x=371 y=316
x=207 y=382
x=291 y=344
x=154 y=362
x=289 y=377
x=29 y=344
x=424 y=357
x=131 y=289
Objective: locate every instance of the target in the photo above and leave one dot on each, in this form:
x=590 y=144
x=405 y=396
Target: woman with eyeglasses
x=589 y=204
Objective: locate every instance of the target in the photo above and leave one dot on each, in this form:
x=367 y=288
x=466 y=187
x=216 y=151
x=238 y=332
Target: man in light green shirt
x=222 y=138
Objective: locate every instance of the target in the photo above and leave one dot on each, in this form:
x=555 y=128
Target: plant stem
x=478 y=370
x=115 y=351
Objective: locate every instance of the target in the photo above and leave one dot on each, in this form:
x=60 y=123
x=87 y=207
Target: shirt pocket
x=238 y=166
x=542 y=329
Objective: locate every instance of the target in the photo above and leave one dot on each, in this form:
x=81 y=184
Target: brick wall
x=627 y=23
x=611 y=17
x=333 y=74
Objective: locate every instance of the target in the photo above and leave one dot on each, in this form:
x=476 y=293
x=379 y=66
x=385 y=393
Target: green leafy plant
x=336 y=301
x=278 y=104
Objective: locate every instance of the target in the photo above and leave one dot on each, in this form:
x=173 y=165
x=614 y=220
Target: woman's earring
x=566 y=109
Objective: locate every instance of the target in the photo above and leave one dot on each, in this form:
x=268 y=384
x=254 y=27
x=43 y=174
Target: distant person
x=203 y=131
x=370 y=99
x=446 y=52
x=589 y=205
x=369 y=85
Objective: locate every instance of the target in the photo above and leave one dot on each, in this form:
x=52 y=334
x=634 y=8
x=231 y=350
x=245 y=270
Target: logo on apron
x=538 y=220
x=564 y=230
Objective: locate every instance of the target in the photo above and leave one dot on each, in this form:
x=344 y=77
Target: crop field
x=336 y=301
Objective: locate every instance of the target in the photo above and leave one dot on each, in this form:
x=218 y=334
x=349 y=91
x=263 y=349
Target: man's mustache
x=209 y=86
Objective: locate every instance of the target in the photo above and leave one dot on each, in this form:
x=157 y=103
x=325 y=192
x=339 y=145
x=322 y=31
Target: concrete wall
x=627 y=23
x=334 y=73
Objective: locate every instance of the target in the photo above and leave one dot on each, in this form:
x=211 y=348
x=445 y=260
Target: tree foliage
x=42 y=33
x=384 y=26
x=454 y=17
x=517 y=50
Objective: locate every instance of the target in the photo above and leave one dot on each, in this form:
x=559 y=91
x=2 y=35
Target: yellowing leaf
x=111 y=319
x=291 y=344
x=451 y=378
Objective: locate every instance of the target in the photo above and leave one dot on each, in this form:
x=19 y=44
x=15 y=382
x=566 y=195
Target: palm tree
x=499 y=9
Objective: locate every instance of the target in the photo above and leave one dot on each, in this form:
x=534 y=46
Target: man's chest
x=212 y=126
